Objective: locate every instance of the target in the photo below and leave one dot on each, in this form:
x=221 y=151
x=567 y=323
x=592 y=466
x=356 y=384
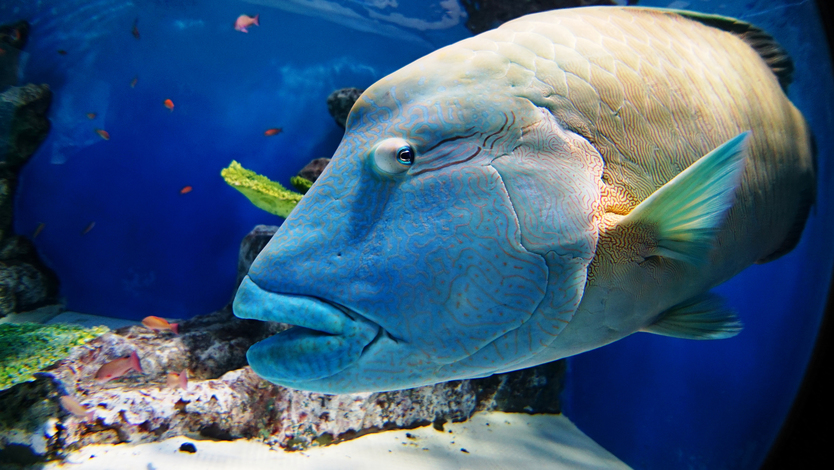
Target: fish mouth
x=326 y=338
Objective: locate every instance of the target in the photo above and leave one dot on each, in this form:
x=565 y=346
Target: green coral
x=26 y=348
x=264 y=194
x=301 y=184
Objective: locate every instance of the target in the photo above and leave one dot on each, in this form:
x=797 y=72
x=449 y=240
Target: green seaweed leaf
x=260 y=190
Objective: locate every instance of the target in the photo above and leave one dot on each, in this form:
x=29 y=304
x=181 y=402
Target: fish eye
x=393 y=156
x=405 y=156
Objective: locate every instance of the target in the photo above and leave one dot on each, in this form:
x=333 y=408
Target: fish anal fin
x=685 y=214
x=703 y=317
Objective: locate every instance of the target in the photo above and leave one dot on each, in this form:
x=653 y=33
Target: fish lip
x=313 y=313
x=326 y=339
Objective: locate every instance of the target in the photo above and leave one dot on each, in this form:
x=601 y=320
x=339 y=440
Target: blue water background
x=654 y=402
x=153 y=251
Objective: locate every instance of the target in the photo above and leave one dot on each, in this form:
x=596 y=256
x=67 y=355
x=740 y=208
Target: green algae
x=26 y=348
x=260 y=190
x=301 y=184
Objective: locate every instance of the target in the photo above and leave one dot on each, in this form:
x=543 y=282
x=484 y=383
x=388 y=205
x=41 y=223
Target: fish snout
x=324 y=340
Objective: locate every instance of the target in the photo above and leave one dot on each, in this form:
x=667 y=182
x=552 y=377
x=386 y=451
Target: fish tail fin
x=184 y=379
x=135 y=364
x=175 y=327
x=90 y=416
x=257 y=19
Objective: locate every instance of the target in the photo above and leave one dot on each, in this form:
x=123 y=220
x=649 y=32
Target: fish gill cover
x=153 y=98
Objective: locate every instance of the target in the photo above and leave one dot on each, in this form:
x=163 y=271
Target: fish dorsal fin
x=703 y=317
x=686 y=213
x=771 y=52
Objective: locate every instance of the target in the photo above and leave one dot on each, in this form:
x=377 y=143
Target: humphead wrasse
x=533 y=192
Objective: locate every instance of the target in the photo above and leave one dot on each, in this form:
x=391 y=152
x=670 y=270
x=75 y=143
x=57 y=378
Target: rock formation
x=339 y=103
x=25 y=283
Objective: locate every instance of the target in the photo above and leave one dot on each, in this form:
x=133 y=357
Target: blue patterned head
x=426 y=251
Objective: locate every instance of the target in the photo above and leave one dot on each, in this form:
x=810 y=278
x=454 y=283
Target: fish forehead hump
x=654 y=90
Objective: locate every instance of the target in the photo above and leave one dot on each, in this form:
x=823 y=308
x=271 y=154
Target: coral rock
x=339 y=103
x=313 y=170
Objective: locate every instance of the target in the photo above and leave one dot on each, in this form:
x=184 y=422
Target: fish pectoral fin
x=686 y=213
x=703 y=317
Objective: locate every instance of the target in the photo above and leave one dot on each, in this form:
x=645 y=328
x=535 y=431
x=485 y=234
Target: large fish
x=533 y=192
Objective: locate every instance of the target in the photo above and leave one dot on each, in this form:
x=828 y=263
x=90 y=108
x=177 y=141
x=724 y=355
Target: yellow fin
x=686 y=213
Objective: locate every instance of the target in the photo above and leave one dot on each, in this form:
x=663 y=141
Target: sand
x=491 y=441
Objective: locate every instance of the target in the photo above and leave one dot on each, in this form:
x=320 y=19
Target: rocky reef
x=339 y=103
x=25 y=282
x=224 y=399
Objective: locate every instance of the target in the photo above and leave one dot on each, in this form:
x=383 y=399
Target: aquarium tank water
x=126 y=209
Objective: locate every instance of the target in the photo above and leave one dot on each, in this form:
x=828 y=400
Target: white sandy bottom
x=491 y=440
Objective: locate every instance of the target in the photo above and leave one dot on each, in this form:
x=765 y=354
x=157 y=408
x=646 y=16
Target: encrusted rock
x=339 y=103
x=25 y=283
x=226 y=400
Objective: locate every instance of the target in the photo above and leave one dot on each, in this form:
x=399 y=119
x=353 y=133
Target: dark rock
x=188 y=447
x=24 y=287
x=13 y=39
x=339 y=103
x=23 y=123
x=25 y=283
x=489 y=14
x=534 y=390
x=313 y=170
x=251 y=245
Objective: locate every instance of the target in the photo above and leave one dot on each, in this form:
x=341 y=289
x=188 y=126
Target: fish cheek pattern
x=553 y=179
x=435 y=257
x=470 y=279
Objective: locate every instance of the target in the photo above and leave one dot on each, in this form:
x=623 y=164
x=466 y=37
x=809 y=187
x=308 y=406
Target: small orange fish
x=273 y=131
x=62 y=52
x=135 y=30
x=186 y=190
x=38 y=230
x=244 y=21
x=71 y=404
x=119 y=367
x=88 y=228
x=180 y=380
x=134 y=81
x=91 y=115
x=169 y=104
x=104 y=134
x=160 y=324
